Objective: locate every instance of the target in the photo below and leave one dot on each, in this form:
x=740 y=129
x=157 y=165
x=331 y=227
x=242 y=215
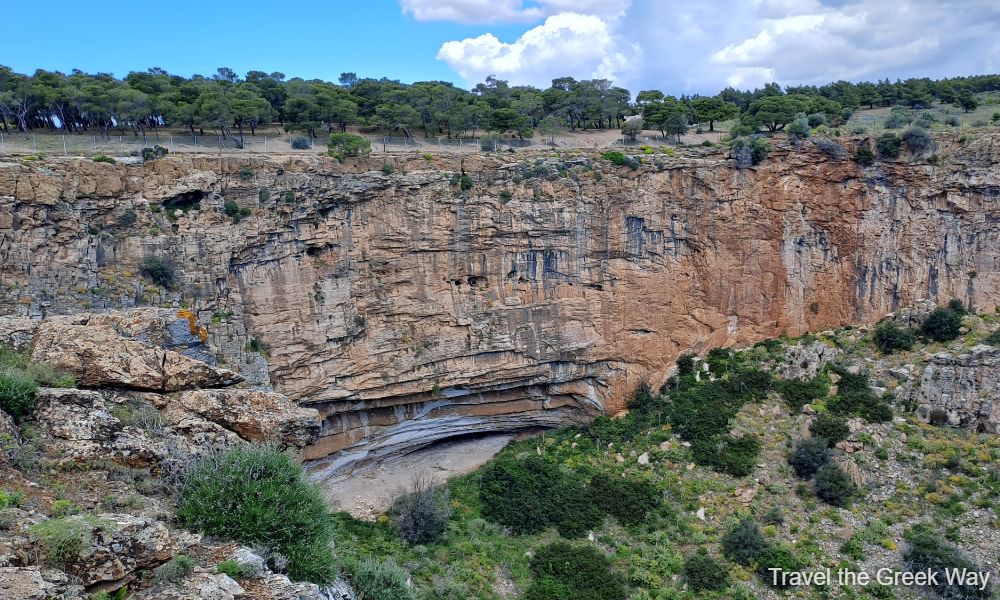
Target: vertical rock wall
x=406 y=310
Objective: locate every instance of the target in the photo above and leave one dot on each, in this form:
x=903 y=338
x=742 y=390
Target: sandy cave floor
x=369 y=491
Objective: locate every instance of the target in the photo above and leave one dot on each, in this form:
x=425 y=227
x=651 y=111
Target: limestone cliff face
x=407 y=310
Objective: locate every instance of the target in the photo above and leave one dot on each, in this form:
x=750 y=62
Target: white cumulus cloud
x=583 y=46
x=505 y=11
x=700 y=46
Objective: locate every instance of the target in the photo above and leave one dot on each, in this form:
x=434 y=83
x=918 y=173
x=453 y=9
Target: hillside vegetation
x=727 y=471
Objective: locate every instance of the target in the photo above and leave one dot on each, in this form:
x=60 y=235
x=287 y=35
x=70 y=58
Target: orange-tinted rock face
x=406 y=311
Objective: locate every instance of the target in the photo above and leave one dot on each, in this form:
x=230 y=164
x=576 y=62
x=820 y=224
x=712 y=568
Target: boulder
x=8 y=428
x=249 y=561
x=913 y=315
x=81 y=426
x=960 y=389
x=850 y=447
x=193 y=435
x=18 y=332
x=804 y=361
x=94 y=351
x=200 y=585
x=256 y=416
x=33 y=583
x=851 y=469
x=122 y=544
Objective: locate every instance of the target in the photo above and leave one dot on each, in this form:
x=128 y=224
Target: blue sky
x=679 y=46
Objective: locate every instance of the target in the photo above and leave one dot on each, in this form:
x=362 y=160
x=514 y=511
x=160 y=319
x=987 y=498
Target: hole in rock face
x=476 y=280
x=184 y=200
x=314 y=251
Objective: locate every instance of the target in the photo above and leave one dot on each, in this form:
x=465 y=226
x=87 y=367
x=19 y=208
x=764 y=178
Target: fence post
x=265 y=144
x=64 y=146
x=1 y=141
x=121 y=145
x=172 y=148
x=34 y=148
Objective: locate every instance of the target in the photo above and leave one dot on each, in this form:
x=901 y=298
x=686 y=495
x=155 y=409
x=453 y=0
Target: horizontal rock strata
x=405 y=310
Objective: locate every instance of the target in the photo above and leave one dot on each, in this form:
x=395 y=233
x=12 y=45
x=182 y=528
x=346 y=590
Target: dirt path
x=368 y=492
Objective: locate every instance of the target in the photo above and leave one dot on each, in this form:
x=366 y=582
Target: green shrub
x=831 y=148
x=376 y=580
x=809 y=456
x=718 y=360
x=896 y=120
x=780 y=558
x=799 y=129
x=465 y=182
x=685 y=363
x=258 y=495
x=627 y=500
x=573 y=572
x=573 y=511
x=888 y=145
x=615 y=157
x=855 y=397
x=799 y=392
x=833 y=486
x=942 y=325
x=928 y=552
x=175 y=569
x=864 y=156
x=832 y=428
x=773 y=516
x=890 y=337
x=421 y=514
x=127 y=218
x=736 y=456
x=289 y=197
x=64 y=539
x=342 y=145
x=300 y=143
x=232 y=569
x=704 y=573
x=700 y=413
x=529 y=495
x=159 y=270
x=63 y=508
x=154 y=153
x=245 y=173
x=514 y=493
x=817 y=119
x=918 y=140
x=993 y=339
x=642 y=398
x=13 y=499
x=749 y=150
x=957 y=306
x=17 y=392
x=232 y=209
x=386 y=169
x=104 y=159
x=263 y=194
x=744 y=543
